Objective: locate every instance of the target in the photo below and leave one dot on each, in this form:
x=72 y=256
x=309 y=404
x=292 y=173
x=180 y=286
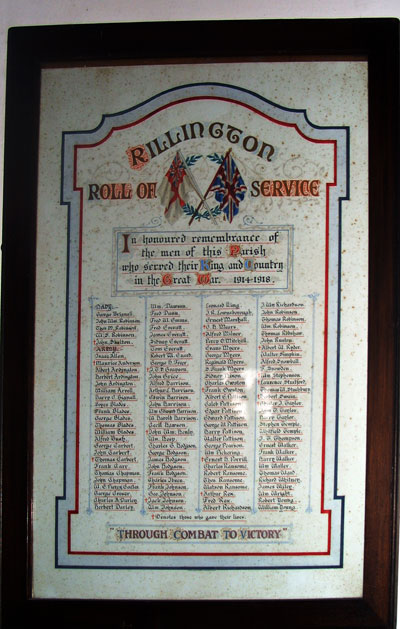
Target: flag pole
x=208 y=190
x=195 y=185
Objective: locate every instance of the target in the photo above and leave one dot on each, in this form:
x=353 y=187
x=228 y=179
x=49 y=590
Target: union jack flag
x=173 y=189
x=229 y=187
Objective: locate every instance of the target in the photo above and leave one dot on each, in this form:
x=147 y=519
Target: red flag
x=173 y=189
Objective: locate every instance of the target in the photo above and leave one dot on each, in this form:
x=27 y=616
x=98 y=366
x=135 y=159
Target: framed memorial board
x=199 y=341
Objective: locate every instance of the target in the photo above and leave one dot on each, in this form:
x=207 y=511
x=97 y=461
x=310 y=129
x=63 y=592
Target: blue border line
x=254 y=510
x=200 y=401
x=68 y=253
x=143 y=510
x=185 y=86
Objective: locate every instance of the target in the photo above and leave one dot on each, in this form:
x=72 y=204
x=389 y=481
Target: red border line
x=153 y=554
x=75 y=511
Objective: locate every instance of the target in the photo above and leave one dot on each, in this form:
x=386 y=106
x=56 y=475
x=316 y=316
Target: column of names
x=116 y=454
x=283 y=396
x=172 y=410
x=227 y=408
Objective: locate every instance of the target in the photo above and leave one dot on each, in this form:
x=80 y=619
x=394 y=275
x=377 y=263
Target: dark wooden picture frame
x=29 y=50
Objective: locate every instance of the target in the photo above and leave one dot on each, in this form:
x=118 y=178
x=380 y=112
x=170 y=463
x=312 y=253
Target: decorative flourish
x=250 y=220
x=155 y=222
x=294 y=167
x=113 y=171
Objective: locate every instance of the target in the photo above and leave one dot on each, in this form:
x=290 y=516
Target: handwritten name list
x=199 y=406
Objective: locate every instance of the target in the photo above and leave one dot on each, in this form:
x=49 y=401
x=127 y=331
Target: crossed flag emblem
x=227 y=186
